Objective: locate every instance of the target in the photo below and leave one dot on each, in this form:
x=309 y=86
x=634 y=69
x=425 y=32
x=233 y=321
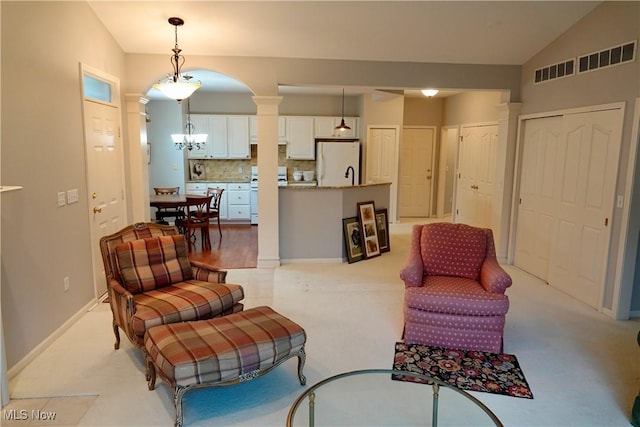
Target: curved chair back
x=167 y=190
x=216 y=194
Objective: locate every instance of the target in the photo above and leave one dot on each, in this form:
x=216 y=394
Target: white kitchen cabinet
x=228 y=136
x=238 y=137
x=200 y=188
x=239 y=201
x=217 y=147
x=325 y=127
x=300 y=139
x=282 y=130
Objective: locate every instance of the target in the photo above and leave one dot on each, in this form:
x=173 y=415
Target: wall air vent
x=556 y=71
x=616 y=55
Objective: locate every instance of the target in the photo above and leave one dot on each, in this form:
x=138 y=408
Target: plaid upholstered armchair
x=151 y=281
x=454 y=288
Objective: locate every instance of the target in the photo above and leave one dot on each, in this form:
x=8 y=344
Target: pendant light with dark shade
x=343 y=126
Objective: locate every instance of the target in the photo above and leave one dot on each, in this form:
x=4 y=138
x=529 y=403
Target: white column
x=268 y=217
x=505 y=164
x=138 y=173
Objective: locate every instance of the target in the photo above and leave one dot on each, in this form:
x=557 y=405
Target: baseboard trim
x=312 y=260
x=15 y=369
x=268 y=263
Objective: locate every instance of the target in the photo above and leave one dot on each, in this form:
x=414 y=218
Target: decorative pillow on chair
x=453 y=250
x=153 y=263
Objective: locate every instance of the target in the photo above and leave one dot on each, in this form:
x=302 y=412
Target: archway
x=220 y=95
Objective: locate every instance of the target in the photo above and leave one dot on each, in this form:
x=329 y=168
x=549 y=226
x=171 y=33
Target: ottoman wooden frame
x=256 y=341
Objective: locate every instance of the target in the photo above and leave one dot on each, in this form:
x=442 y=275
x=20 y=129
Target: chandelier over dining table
x=177 y=86
x=189 y=140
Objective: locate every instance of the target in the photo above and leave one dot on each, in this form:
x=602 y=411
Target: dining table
x=178 y=201
x=171 y=200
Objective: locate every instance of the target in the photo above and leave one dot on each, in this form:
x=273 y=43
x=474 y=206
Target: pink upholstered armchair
x=454 y=288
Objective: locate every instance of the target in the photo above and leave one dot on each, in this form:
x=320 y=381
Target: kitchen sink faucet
x=353 y=174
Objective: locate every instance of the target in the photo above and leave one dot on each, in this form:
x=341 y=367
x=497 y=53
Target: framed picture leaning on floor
x=368 y=229
x=382 y=223
x=352 y=239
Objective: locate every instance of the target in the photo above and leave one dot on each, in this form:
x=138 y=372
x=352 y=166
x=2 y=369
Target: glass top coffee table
x=371 y=397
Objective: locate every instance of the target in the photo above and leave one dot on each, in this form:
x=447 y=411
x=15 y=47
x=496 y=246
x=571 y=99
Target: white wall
x=167 y=168
x=471 y=107
x=43 y=151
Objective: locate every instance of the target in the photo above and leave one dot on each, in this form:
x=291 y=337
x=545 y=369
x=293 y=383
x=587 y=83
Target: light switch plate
x=72 y=196
x=62 y=198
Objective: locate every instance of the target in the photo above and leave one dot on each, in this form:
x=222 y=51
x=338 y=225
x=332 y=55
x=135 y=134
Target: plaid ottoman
x=222 y=351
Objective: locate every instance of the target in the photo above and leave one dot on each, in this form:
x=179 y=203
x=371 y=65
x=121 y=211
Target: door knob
x=97 y=210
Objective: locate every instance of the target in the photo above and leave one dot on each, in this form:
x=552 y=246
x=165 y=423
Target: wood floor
x=238 y=247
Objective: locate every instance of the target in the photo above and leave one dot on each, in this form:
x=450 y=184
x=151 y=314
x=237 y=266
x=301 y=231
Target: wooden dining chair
x=163 y=213
x=198 y=208
x=214 y=209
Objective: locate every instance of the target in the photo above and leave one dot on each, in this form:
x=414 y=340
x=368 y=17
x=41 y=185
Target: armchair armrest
x=207 y=273
x=413 y=270
x=122 y=304
x=492 y=276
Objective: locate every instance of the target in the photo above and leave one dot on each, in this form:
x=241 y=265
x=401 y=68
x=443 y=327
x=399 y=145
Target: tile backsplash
x=239 y=170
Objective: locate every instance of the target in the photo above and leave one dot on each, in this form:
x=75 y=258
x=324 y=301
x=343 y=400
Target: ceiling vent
x=608 y=57
x=556 y=71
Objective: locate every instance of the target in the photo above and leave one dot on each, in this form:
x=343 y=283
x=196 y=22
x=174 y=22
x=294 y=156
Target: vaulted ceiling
x=469 y=32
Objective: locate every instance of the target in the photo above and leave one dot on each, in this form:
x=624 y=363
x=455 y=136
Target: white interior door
x=104 y=179
x=415 y=187
x=382 y=161
x=588 y=156
x=538 y=193
x=476 y=171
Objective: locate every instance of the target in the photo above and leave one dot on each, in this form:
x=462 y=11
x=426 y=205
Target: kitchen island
x=311 y=219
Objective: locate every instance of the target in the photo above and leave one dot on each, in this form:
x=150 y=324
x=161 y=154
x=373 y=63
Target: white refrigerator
x=337 y=163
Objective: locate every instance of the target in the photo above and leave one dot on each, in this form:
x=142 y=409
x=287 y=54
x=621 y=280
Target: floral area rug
x=467 y=370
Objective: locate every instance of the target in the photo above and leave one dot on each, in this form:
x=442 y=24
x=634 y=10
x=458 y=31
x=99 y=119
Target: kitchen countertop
x=337 y=187
x=221 y=182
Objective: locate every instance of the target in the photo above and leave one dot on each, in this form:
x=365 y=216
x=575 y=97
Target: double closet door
x=567 y=189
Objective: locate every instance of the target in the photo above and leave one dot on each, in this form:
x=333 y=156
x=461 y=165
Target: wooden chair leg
x=190 y=237
x=206 y=240
x=219 y=229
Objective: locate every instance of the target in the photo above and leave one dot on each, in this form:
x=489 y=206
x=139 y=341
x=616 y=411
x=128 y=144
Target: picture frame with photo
x=368 y=229
x=382 y=222
x=352 y=239
x=197 y=170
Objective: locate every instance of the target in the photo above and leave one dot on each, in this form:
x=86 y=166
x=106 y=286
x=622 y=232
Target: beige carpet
x=583 y=368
